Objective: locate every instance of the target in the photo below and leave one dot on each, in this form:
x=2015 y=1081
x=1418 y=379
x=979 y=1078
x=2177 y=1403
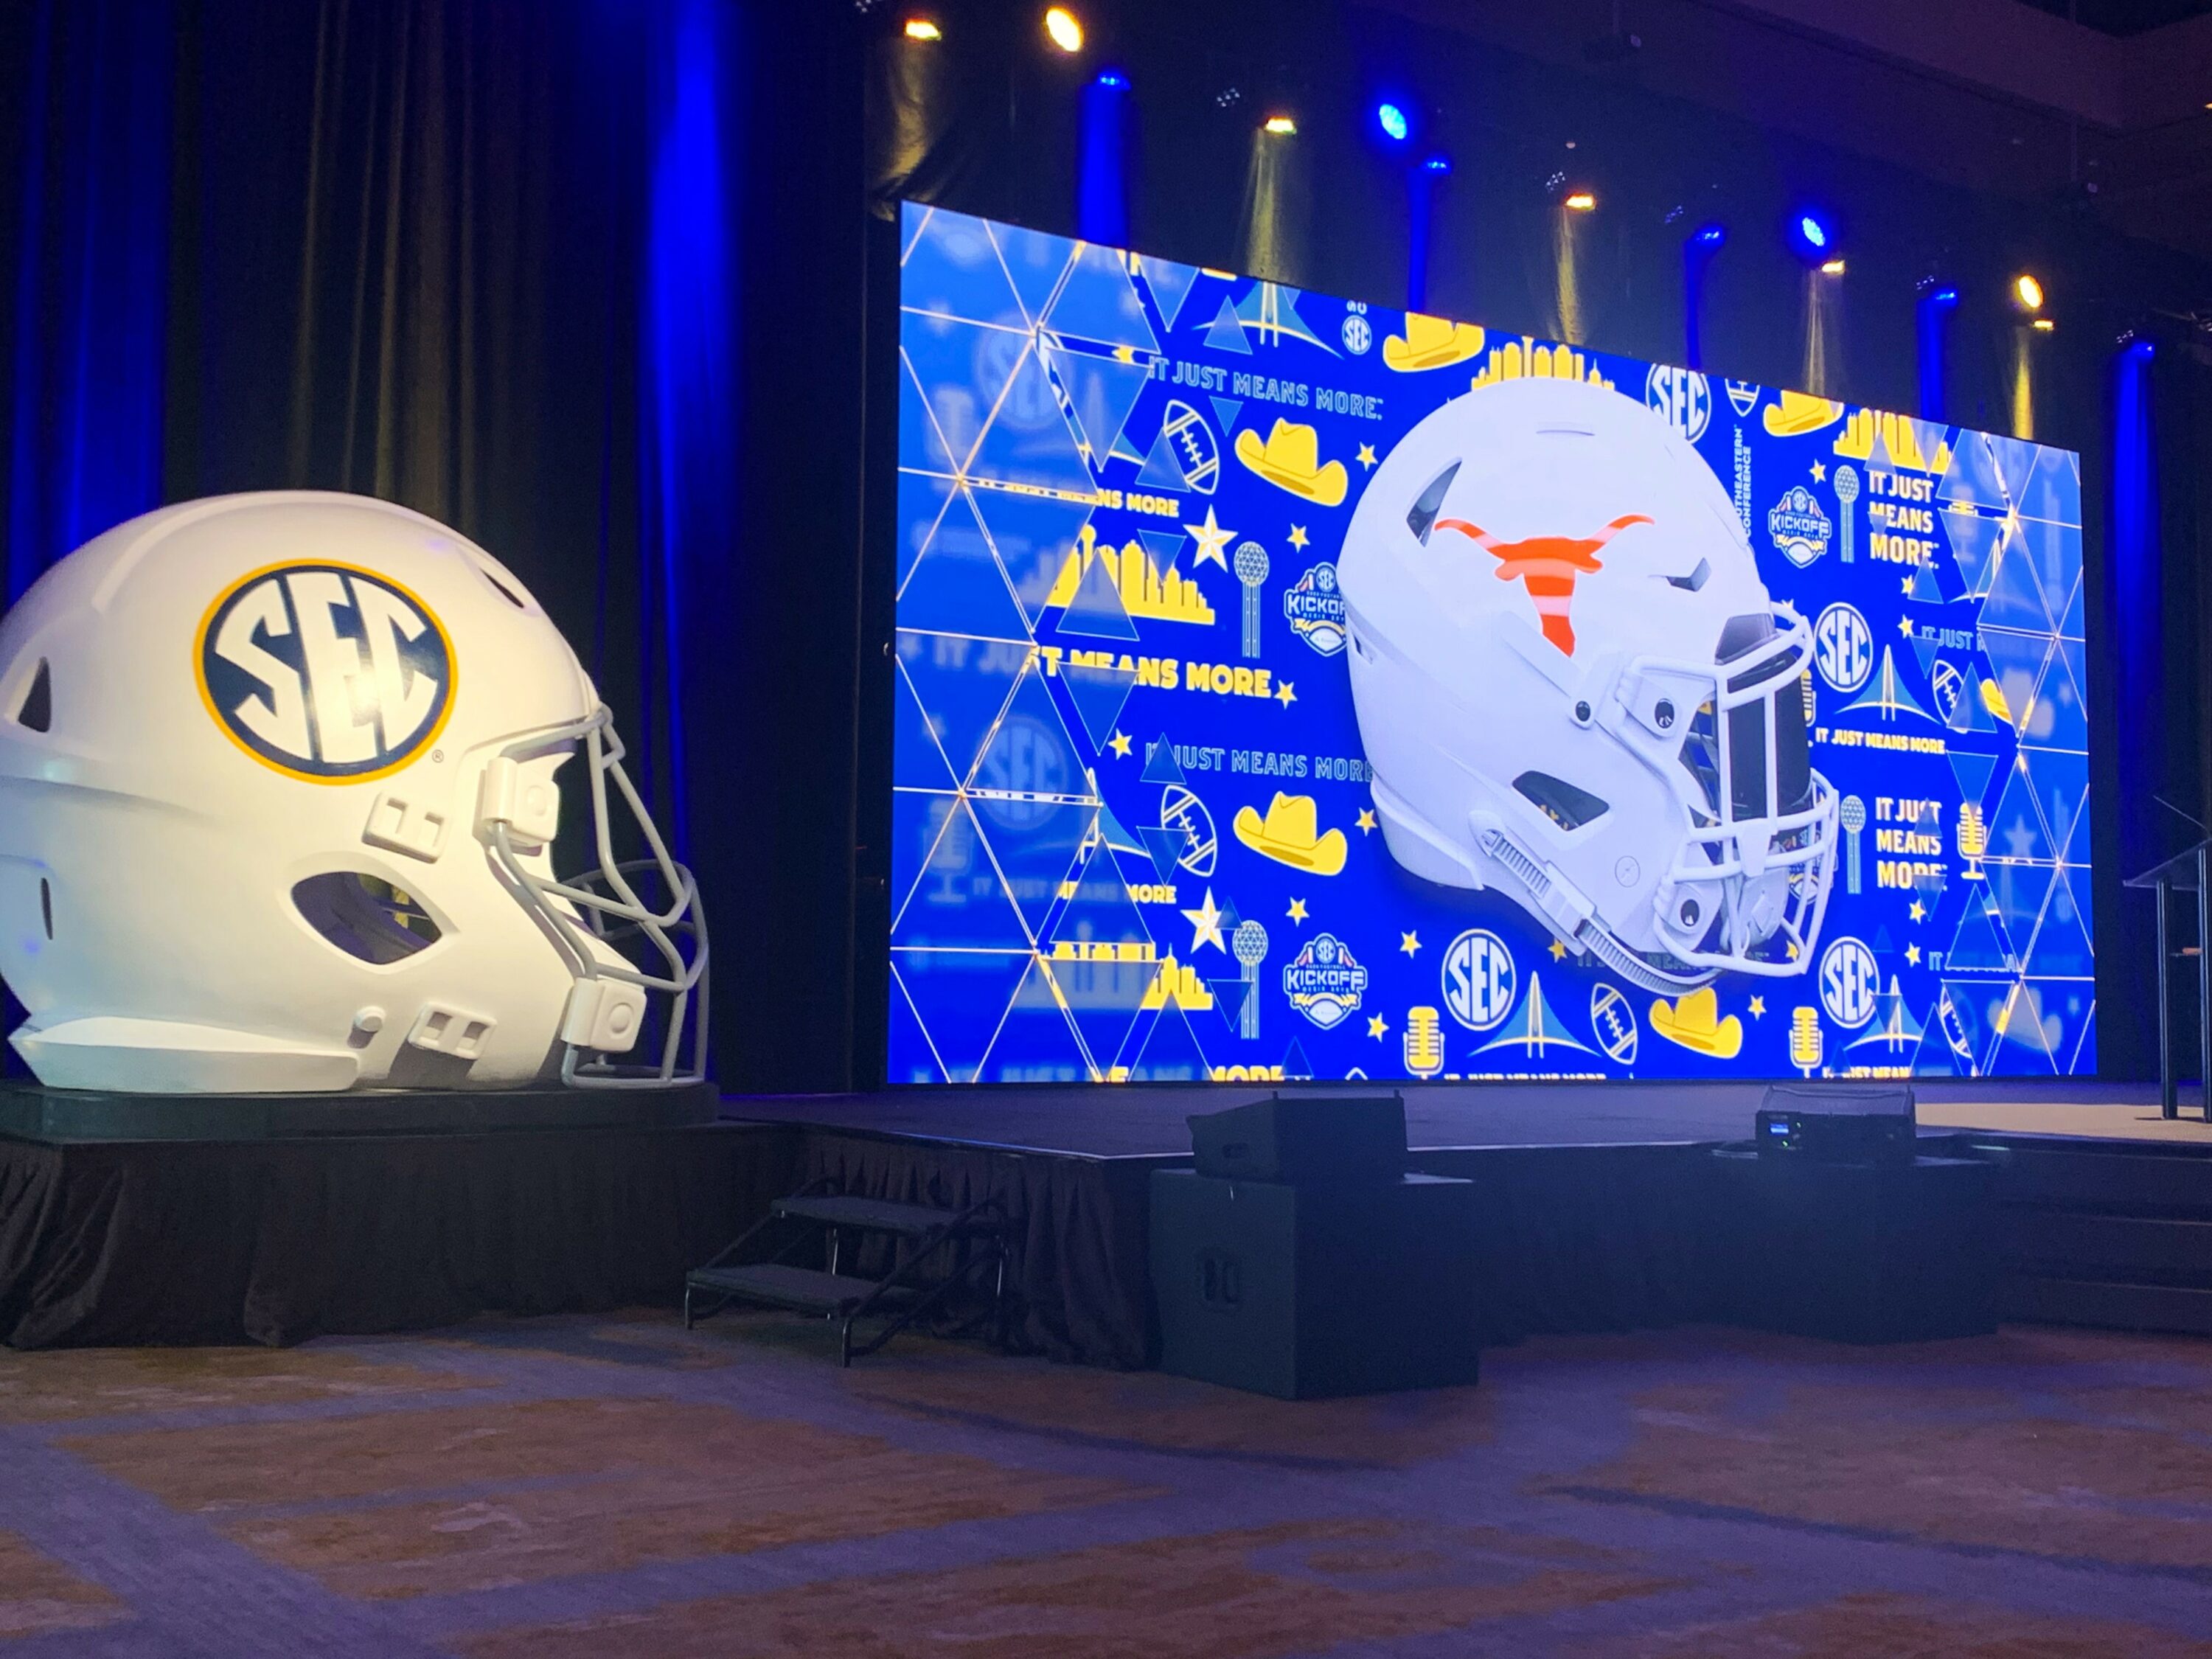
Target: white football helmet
x=1573 y=686
x=277 y=813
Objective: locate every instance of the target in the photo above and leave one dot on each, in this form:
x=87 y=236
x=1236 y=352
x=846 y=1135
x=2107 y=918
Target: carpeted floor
x=598 y=1487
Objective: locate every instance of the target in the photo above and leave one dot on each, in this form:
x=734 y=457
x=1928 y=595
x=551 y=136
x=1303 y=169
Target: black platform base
x=30 y=1111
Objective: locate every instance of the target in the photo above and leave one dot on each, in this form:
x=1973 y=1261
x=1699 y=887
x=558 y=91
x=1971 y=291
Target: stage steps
x=818 y=1219
x=2117 y=1233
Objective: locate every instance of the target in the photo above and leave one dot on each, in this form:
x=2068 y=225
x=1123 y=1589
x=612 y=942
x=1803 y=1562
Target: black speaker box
x=1304 y=1141
x=1839 y=1124
x=1303 y=1292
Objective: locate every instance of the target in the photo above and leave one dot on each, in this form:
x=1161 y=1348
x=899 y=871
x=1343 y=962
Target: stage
x=1601 y=1207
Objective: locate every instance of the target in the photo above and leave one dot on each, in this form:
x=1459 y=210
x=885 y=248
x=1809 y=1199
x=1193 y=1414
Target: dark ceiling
x=2124 y=16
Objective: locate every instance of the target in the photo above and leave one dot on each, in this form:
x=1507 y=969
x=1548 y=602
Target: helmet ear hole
x=36 y=710
x=365 y=916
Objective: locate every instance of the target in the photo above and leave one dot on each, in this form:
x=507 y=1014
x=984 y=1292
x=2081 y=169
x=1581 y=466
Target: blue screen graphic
x=1288 y=687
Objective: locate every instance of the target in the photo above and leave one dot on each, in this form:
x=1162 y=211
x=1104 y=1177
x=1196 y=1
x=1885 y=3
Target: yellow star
x=1298 y=909
x=1119 y=742
x=1912 y=955
x=1285 y=695
x=1559 y=952
x=1908 y=587
x=1298 y=535
x=1366 y=821
x=1211 y=538
x=1205 y=924
x=1366 y=457
x=1758 y=1007
x=1795 y=952
x=1376 y=1025
x=1905 y=627
x=1409 y=943
x=1819 y=472
x=1919 y=912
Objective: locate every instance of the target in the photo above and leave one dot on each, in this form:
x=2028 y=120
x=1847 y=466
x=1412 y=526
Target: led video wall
x=1288 y=687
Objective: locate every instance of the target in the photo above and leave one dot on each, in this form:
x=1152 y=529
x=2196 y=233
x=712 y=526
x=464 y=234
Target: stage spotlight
x=921 y=28
x=1281 y=125
x=1113 y=80
x=1815 y=236
x=1581 y=201
x=1831 y=267
x=1062 y=29
x=2043 y=325
x=2028 y=292
x=1814 y=233
x=1711 y=236
x=1438 y=164
x=1945 y=297
x=1228 y=98
x=1393 y=122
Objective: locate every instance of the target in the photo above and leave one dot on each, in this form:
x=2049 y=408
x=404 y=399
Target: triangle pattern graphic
x=908 y=1038
x=916 y=761
x=1098 y=302
x=960 y=997
x=1037 y=845
x=1028 y=442
x=1977 y=946
x=1161 y=469
x=1101 y=392
x=1973 y=480
x=1102 y=999
x=1034 y=1024
x=1172 y=1053
x=1171 y=285
x=2020 y=1042
x=2066 y=1006
x=1966 y=1015
x=1030 y=753
x=1099 y=694
x=963 y=369
x=2084 y=1063
x=1229 y=996
x=2059 y=720
x=1166 y=844
x=1927 y=583
x=1295 y=1066
x=921 y=446
x=961 y=902
x=956 y=586
x=1101 y=912
x=1036 y=262
x=2061 y=948
x=1226 y=411
x=2054 y=489
x=1886 y=693
x=2016 y=827
x=1972 y=772
x=1226 y=333
x=2060 y=784
x=2075 y=623
x=1971 y=711
x=1974 y=541
x=962 y=685
x=1035 y=536
x=2017 y=894
x=953 y=270
x=1935 y=1056
x=917 y=821
x=2016 y=660
x=1161 y=765
x=921 y=502
x=1096 y=612
x=1165 y=547
x=2015 y=598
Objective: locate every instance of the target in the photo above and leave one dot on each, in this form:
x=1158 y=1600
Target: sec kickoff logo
x=1315 y=610
x=325 y=671
x=1325 y=983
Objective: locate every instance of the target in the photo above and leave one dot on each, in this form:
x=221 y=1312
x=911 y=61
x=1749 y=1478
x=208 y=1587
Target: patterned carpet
x=591 y=1487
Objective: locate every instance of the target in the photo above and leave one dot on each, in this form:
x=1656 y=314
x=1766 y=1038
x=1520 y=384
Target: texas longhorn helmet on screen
x=277 y=807
x=1573 y=686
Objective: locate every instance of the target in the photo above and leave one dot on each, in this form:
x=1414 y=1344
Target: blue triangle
x=960 y=998
x=1927 y=583
x=1226 y=411
x=2015 y=599
x=1974 y=541
x=907 y=1058
x=916 y=761
x=921 y=501
x=2017 y=895
x=1165 y=846
x=1036 y=261
x=958 y=902
x=1974 y=479
x=1171 y=285
x=1165 y=546
x=2075 y=624
x=1101 y=912
x=962 y=684
x=1035 y=536
x=1160 y=763
x=963 y=369
x=1886 y=694
x=1099 y=694
x=1098 y=302
x=2054 y=488
x=1161 y=470
x=1226 y=333
x=1973 y=772
x=2016 y=662
x=2061 y=785
x=1229 y=996
x=1972 y=712
x=2061 y=948
x=2022 y=1046
x=953 y=270
x=2084 y=1063
x=1172 y=1053
x=1295 y=1066
x=1104 y=998
x=1977 y=946
x=921 y=446
x=1101 y=392
x=956 y=586
x=1030 y=754
x=1936 y=1056
x=1111 y=832
x=1028 y=442
x=1096 y=612
x=1036 y=1043
x=1037 y=844
x=2060 y=720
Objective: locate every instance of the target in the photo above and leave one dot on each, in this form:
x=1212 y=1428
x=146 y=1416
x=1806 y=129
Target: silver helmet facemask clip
x=588 y=916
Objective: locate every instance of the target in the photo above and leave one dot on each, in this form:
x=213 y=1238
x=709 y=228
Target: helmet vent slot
x=1423 y=517
x=46 y=905
x=1695 y=580
x=36 y=710
x=1559 y=800
x=365 y=916
x=504 y=591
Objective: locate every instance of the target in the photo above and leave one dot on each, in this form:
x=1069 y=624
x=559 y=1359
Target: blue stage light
x=1814 y=235
x=1113 y=80
x=1944 y=296
x=1812 y=230
x=1437 y=163
x=1711 y=236
x=1392 y=119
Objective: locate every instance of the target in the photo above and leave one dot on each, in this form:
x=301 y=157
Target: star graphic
x=1559 y=952
x=1905 y=627
x=1795 y=952
x=1409 y=943
x=1298 y=535
x=1908 y=587
x=1376 y=1025
x=1211 y=538
x=1285 y=694
x=1205 y=925
x=1366 y=821
x=1758 y=1007
x=1919 y=912
x=1912 y=955
x=1366 y=456
x=1119 y=742
x=1819 y=472
x=1298 y=910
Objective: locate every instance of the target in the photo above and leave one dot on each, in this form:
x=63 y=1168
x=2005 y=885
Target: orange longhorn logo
x=1549 y=565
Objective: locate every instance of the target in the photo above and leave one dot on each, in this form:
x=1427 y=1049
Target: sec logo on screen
x=1848 y=983
x=326 y=673
x=1843 y=648
x=1681 y=397
x=1478 y=979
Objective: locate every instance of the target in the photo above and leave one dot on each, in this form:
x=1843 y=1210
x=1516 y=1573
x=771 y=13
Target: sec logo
x=1478 y=979
x=325 y=671
x=1848 y=982
x=1843 y=648
x=1681 y=397
x=1614 y=1022
x=1357 y=335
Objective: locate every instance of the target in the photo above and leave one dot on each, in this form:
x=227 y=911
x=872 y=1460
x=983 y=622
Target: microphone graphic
x=1424 y=1042
x=1805 y=1040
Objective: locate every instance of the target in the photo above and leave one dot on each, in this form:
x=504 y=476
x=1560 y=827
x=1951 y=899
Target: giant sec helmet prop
x=278 y=799
x=1573 y=686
